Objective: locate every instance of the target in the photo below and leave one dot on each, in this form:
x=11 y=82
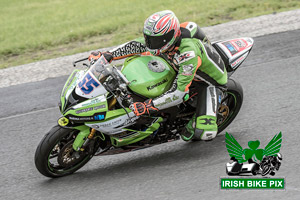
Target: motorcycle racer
x=189 y=51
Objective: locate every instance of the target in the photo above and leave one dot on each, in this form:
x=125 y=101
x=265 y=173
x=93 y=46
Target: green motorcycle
x=96 y=119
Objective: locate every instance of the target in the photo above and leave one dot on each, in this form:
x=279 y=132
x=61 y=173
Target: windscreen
x=89 y=85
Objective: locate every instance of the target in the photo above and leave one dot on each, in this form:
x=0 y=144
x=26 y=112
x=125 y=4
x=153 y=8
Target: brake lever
x=86 y=65
x=80 y=60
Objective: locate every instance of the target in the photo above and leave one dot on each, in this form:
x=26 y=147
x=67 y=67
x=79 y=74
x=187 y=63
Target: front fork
x=84 y=137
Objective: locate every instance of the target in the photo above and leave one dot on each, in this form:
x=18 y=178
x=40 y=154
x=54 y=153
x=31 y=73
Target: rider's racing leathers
x=194 y=59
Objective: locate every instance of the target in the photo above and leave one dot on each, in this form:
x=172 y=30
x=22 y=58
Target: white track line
x=28 y=113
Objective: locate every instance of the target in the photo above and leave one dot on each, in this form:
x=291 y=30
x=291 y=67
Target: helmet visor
x=157 y=42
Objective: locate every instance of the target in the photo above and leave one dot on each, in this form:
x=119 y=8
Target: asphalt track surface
x=177 y=170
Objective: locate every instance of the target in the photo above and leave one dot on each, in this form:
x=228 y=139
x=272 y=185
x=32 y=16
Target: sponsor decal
x=83 y=110
x=128 y=121
x=93 y=101
x=109 y=124
x=126 y=134
x=213 y=98
x=90 y=109
x=99 y=107
x=185 y=57
x=157 y=84
x=230 y=47
x=175 y=97
x=236 y=63
x=95 y=117
x=168 y=100
x=190 y=26
x=75 y=118
x=99 y=117
x=253 y=161
x=187 y=70
x=63 y=121
x=237 y=45
x=156 y=66
x=240 y=43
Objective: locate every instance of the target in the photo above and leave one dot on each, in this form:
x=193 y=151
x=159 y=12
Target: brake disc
x=68 y=157
x=224 y=112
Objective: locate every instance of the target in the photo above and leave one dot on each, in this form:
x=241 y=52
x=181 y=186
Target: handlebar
x=80 y=60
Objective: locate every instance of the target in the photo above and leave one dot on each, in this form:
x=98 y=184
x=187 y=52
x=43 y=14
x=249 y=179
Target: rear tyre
x=55 y=157
x=231 y=104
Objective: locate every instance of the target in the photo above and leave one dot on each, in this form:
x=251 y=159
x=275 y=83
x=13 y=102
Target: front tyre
x=55 y=157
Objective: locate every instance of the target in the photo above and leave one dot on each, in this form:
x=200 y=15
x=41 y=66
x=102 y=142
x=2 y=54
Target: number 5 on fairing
x=88 y=84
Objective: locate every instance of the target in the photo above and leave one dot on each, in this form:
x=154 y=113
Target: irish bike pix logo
x=259 y=161
x=253 y=161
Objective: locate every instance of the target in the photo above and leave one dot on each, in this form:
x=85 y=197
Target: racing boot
x=189 y=130
x=206 y=128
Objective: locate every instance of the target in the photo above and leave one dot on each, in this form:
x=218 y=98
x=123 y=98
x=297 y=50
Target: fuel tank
x=150 y=76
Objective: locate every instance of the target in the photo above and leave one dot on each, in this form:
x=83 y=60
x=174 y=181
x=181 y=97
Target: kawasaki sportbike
x=96 y=120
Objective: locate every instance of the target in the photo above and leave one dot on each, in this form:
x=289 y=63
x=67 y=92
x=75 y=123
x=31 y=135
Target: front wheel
x=230 y=104
x=55 y=157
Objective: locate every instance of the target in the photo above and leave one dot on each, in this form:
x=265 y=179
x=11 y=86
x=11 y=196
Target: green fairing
x=139 y=135
x=144 y=81
x=81 y=137
x=88 y=110
x=116 y=113
x=71 y=80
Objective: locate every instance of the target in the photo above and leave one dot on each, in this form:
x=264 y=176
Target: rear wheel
x=55 y=157
x=230 y=104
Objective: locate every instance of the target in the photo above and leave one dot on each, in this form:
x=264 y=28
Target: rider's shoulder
x=189 y=25
x=187 y=52
x=188 y=44
x=188 y=29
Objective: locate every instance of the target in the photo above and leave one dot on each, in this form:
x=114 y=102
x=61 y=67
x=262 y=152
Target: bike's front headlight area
x=94 y=109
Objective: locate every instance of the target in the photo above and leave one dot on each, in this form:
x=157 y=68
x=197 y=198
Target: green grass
x=32 y=30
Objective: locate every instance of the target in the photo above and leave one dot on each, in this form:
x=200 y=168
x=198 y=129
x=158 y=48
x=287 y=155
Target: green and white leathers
x=194 y=59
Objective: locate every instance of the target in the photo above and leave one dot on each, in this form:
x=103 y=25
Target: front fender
x=81 y=137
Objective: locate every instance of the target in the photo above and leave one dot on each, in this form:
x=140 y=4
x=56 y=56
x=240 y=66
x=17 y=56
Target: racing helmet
x=161 y=31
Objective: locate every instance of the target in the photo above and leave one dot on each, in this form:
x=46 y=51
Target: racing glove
x=95 y=55
x=143 y=108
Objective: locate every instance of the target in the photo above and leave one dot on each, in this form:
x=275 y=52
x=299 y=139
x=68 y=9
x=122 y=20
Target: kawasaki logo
x=157 y=84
